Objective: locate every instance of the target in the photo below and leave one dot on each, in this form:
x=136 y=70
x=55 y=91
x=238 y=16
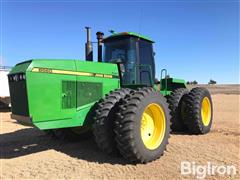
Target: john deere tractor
x=117 y=98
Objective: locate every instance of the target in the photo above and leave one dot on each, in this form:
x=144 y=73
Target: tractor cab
x=134 y=54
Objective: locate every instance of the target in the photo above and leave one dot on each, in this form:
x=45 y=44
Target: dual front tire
x=143 y=126
x=138 y=127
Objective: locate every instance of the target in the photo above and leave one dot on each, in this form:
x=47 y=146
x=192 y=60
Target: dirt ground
x=28 y=153
x=220 y=88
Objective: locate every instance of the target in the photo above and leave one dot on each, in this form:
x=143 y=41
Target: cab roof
x=133 y=34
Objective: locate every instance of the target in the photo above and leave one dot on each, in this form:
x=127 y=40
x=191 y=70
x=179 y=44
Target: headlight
x=15 y=77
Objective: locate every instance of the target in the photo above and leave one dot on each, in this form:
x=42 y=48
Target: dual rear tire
x=175 y=101
x=197 y=111
x=191 y=111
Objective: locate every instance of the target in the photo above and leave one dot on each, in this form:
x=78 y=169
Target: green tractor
x=116 y=98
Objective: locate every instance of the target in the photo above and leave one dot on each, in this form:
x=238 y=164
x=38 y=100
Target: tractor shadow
x=180 y=133
x=31 y=140
x=5 y=109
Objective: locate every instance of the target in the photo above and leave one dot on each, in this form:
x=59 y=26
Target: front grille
x=18 y=94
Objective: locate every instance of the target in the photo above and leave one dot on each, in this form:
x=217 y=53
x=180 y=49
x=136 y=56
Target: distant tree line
x=211 y=82
x=192 y=82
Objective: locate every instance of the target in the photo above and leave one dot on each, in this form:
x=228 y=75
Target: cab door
x=146 y=61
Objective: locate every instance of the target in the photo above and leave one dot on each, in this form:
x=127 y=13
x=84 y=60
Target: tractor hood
x=58 y=91
x=66 y=66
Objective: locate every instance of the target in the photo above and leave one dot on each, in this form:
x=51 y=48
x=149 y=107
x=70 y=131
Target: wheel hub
x=147 y=126
x=153 y=126
x=206 y=111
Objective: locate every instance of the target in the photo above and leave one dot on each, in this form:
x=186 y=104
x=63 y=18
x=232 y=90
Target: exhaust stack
x=88 y=46
x=99 y=38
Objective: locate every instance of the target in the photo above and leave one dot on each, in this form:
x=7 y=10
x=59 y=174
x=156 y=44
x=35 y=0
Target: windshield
x=122 y=51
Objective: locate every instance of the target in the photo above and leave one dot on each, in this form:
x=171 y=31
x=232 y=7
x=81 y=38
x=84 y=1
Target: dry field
x=221 y=89
x=27 y=153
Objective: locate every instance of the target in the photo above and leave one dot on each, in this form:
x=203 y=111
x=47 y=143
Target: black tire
x=191 y=111
x=104 y=120
x=128 y=126
x=49 y=132
x=175 y=100
x=71 y=134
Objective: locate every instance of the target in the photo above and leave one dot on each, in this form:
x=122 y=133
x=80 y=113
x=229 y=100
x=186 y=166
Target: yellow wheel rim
x=206 y=111
x=153 y=126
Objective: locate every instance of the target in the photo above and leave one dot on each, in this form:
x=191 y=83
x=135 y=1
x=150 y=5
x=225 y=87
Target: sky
x=194 y=40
